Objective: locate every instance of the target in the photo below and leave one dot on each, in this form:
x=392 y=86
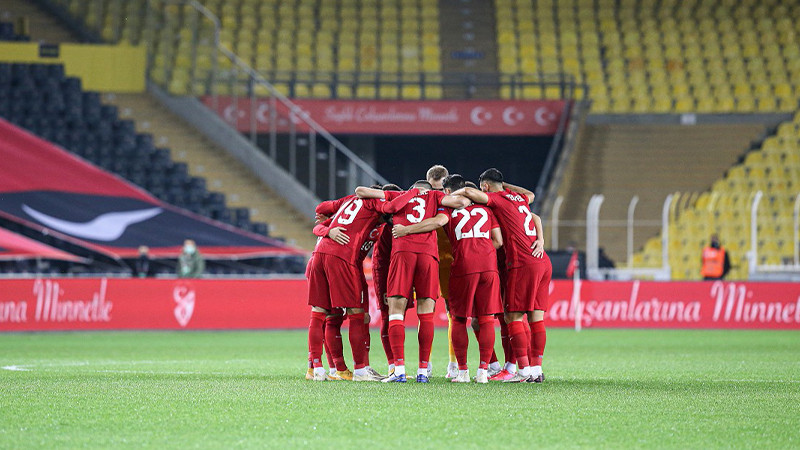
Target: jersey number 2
x=529 y=230
x=475 y=232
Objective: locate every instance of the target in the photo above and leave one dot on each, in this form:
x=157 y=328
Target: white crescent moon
x=539 y=116
x=261 y=113
x=228 y=114
x=507 y=119
x=475 y=115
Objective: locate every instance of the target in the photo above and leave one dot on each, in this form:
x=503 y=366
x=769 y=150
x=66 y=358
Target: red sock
x=367 y=340
x=528 y=339
x=460 y=341
x=538 y=341
x=397 y=338
x=425 y=339
x=516 y=330
x=486 y=340
x=315 y=338
x=356 y=322
x=333 y=342
x=508 y=352
x=387 y=347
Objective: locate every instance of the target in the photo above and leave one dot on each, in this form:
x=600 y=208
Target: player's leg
x=315 y=338
x=319 y=300
x=494 y=366
x=538 y=342
x=387 y=347
x=397 y=337
x=509 y=367
x=538 y=331
x=485 y=346
x=461 y=346
x=452 y=365
x=400 y=280
x=426 y=286
x=333 y=346
x=519 y=343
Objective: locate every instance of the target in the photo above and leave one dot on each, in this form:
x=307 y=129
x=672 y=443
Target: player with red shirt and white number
x=334 y=281
x=413 y=268
x=474 y=282
x=529 y=269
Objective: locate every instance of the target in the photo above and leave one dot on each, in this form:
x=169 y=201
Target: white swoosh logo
x=105 y=227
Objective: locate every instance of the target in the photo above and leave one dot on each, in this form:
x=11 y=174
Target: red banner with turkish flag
x=398 y=117
x=118 y=304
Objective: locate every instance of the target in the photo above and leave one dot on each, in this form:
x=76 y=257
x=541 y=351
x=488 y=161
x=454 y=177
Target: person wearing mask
x=190 y=262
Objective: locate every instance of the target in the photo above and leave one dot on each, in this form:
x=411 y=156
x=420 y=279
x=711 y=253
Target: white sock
x=495 y=366
x=481 y=372
x=452 y=365
x=463 y=373
x=536 y=370
x=362 y=372
x=422 y=371
x=525 y=371
x=399 y=370
x=511 y=367
x=332 y=371
x=319 y=371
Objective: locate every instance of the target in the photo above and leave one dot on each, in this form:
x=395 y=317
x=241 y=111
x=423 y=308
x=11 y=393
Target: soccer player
x=475 y=291
x=381 y=254
x=528 y=268
x=436 y=176
x=413 y=263
x=334 y=281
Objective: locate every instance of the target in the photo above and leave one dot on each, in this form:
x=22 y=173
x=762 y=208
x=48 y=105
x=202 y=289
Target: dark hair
x=471 y=184
x=421 y=184
x=375 y=186
x=391 y=187
x=454 y=182
x=491 y=175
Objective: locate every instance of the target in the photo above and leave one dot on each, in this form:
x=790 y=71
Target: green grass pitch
x=604 y=388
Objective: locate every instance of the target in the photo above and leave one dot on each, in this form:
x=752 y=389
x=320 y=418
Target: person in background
x=715 y=261
x=190 y=262
x=143 y=268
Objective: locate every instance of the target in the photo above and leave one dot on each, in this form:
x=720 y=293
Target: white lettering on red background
x=733 y=303
x=631 y=309
x=184 y=297
x=53 y=306
x=14 y=312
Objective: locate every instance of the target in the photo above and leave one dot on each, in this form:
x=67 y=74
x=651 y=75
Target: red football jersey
x=418 y=208
x=358 y=217
x=517 y=226
x=470 y=233
x=382 y=253
x=321 y=230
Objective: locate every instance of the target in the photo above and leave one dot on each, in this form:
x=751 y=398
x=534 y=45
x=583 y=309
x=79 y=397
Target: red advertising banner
x=118 y=304
x=400 y=117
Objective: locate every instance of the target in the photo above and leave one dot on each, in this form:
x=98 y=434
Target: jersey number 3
x=419 y=209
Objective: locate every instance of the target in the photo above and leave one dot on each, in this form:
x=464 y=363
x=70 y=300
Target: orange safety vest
x=713 y=262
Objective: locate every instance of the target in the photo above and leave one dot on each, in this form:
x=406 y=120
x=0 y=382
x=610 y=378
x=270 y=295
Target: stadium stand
x=658 y=57
x=8 y=33
x=773 y=168
x=41 y=99
x=308 y=48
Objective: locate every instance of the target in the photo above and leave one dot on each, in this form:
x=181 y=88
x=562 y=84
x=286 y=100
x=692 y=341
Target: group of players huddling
x=488 y=254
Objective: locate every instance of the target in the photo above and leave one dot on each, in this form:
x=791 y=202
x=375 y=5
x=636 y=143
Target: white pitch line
x=15 y=368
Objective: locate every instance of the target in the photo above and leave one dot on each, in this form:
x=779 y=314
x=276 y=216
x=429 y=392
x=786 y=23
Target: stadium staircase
x=467 y=35
x=649 y=161
x=222 y=172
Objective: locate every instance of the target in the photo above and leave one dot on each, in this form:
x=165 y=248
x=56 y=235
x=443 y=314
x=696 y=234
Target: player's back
x=420 y=207
x=470 y=232
x=516 y=225
x=358 y=217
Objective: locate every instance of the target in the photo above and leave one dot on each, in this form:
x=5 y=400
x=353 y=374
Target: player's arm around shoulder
x=520 y=190
x=367 y=192
x=475 y=195
x=425 y=226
